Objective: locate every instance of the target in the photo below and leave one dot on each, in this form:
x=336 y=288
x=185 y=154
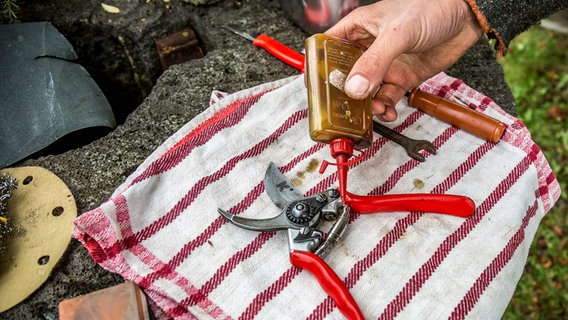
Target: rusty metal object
x=178 y=47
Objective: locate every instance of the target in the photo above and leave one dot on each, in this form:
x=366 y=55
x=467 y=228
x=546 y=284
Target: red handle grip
x=438 y=203
x=280 y=51
x=329 y=281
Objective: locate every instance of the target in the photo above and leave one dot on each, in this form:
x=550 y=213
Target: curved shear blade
x=280 y=222
x=279 y=189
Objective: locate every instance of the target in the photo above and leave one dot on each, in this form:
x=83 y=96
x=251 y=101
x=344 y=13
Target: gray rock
x=202 y=2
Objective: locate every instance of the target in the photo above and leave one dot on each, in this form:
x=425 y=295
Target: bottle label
x=345 y=114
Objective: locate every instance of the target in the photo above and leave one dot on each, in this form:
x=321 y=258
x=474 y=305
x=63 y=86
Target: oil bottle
x=335 y=118
x=332 y=114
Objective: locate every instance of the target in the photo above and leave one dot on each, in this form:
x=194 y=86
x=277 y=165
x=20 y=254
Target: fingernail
x=357 y=85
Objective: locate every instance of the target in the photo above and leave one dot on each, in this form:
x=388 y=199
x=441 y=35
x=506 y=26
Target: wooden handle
x=469 y=120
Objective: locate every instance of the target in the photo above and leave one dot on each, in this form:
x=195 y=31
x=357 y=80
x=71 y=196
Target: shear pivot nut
x=300 y=213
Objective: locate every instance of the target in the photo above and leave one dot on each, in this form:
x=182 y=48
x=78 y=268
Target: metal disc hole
x=27 y=180
x=43 y=260
x=57 y=211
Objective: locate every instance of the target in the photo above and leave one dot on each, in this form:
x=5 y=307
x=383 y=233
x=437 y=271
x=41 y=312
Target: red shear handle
x=438 y=203
x=280 y=51
x=329 y=281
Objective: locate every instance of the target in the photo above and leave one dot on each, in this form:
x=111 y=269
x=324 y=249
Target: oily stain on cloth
x=301 y=175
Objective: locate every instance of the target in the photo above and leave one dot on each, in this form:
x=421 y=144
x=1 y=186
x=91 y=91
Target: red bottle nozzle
x=341 y=151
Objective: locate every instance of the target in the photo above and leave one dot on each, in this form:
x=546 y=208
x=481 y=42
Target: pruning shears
x=301 y=217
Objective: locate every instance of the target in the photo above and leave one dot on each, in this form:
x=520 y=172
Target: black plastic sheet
x=45 y=94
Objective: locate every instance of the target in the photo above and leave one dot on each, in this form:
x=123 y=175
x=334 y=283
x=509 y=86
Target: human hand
x=406 y=43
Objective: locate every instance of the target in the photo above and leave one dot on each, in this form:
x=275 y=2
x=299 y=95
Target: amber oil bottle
x=332 y=114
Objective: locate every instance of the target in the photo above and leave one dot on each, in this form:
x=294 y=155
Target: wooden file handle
x=472 y=121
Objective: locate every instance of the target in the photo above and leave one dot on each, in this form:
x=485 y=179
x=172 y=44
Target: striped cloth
x=161 y=230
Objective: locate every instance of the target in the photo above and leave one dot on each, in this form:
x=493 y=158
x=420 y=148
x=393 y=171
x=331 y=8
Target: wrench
x=411 y=146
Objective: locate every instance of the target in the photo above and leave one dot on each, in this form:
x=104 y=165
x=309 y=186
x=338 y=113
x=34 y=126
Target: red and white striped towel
x=161 y=230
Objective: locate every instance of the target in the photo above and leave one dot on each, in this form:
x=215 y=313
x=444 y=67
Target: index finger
x=369 y=70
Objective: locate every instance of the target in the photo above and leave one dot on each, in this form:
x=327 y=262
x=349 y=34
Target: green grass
x=536 y=69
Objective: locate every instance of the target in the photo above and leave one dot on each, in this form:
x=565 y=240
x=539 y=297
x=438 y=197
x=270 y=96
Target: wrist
x=471 y=13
